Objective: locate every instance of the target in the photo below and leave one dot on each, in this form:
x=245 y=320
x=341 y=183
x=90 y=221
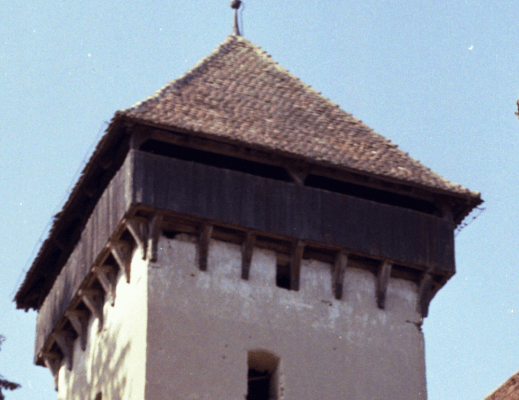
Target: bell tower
x=239 y=236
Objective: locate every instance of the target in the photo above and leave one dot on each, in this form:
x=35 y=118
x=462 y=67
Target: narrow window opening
x=262 y=376
x=99 y=396
x=258 y=385
x=283 y=273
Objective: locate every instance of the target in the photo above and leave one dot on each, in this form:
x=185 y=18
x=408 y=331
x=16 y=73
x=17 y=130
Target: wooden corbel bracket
x=247 y=248
x=203 y=246
x=154 y=232
x=53 y=362
x=106 y=276
x=339 y=267
x=425 y=293
x=295 y=264
x=79 y=321
x=139 y=231
x=122 y=252
x=93 y=299
x=66 y=344
x=384 y=273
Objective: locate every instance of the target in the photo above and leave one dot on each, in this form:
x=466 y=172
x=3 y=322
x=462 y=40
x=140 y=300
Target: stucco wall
x=114 y=360
x=201 y=326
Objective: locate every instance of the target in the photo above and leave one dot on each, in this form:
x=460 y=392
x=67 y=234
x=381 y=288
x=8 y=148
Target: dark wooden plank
x=260 y=204
x=160 y=186
x=245 y=191
x=138 y=174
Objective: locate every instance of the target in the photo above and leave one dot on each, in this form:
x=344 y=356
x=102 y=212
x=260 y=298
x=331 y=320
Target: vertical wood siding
x=107 y=214
x=299 y=212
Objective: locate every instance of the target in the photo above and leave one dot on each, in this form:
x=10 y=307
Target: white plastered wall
x=202 y=325
x=115 y=357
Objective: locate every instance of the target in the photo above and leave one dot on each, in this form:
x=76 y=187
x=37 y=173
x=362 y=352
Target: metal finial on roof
x=236 y=4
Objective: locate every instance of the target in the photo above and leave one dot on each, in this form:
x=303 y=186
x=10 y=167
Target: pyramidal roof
x=239 y=93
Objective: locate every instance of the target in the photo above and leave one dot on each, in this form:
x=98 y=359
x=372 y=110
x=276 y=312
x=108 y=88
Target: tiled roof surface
x=507 y=391
x=239 y=93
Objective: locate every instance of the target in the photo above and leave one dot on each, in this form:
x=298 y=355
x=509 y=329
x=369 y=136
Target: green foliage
x=4 y=383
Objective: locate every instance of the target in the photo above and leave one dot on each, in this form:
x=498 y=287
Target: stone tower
x=239 y=236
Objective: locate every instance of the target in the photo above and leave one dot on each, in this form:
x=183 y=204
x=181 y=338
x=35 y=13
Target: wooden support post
x=154 y=232
x=246 y=255
x=382 y=283
x=139 y=231
x=107 y=281
x=339 y=267
x=122 y=253
x=295 y=264
x=425 y=293
x=79 y=321
x=93 y=300
x=66 y=345
x=203 y=246
x=53 y=363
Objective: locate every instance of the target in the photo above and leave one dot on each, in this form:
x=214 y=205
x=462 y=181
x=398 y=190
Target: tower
x=237 y=235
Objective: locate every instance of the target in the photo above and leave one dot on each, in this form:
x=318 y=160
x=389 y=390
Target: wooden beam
x=203 y=246
x=139 y=231
x=94 y=304
x=154 y=232
x=106 y=268
x=246 y=255
x=298 y=176
x=122 y=252
x=53 y=364
x=107 y=281
x=295 y=264
x=54 y=355
x=138 y=138
x=339 y=267
x=79 y=321
x=425 y=293
x=66 y=345
x=382 y=283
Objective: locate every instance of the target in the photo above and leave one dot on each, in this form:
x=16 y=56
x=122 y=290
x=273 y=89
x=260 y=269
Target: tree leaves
x=4 y=383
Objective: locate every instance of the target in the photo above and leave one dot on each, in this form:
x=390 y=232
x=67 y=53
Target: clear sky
x=440 y=79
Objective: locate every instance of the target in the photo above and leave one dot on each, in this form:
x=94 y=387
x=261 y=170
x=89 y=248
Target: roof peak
x=239 y=93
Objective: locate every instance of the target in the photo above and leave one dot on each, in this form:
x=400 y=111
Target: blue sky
x=440 y=79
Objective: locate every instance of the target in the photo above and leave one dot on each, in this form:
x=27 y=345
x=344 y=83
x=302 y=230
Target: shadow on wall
x=101 y=371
